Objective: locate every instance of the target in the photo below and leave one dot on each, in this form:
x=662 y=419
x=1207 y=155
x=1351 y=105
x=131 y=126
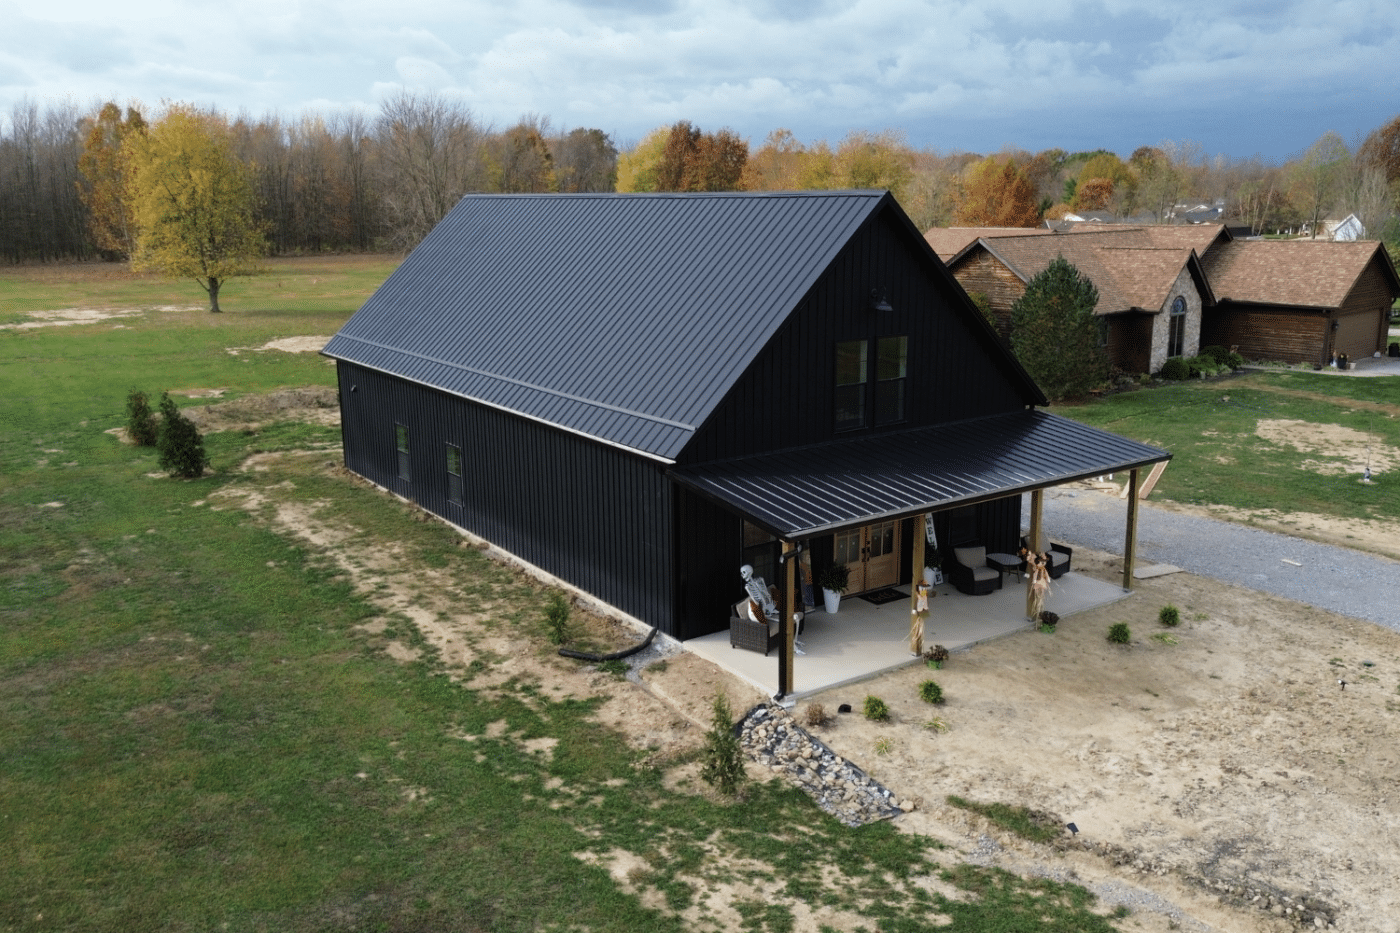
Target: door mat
x=879 y=597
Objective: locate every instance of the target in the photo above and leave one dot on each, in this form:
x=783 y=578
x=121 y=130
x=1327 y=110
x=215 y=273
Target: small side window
x=401 y=442
x=852 y=373
x=454 y=474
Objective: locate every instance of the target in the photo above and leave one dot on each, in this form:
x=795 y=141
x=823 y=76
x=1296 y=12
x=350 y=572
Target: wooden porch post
x=920 y=536
x=1130 y=538
x=1037 y=506
x=789 y=607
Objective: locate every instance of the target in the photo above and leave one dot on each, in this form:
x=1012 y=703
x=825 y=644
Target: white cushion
x=985 y=573
x=1042 y=544
x=971 y=556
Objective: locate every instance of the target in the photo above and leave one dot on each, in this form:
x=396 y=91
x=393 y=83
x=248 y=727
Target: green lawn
x=1219 y=456
x=197 y=734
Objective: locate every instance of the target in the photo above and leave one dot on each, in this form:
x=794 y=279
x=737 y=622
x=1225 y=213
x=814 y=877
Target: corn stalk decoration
x=1037 y=581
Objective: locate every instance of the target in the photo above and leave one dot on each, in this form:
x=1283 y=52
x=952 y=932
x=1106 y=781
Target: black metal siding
x=786 y=398
x=593 y=515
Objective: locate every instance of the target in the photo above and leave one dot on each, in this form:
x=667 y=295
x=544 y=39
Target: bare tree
x=1316 y=177
x=429 y=155
x=585 y=160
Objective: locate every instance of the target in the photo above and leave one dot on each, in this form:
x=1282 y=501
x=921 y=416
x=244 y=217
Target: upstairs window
x=454 y=474
x=852 y=374
x=867 y=394
x=401 y=442
x=892 y=371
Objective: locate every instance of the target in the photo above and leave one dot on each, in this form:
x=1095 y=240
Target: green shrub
x=722 y=759
x=1234 y=360
x=556 y=618
x=1217 y=353
x=1175 y=369
x=181 y=446
x=931 y=692
x=1169 y=616
x=1202 y=366
x=876 y=710
x=140 y=420
x=1119 y=633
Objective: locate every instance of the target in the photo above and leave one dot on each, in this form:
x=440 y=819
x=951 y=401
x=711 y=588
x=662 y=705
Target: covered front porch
x=864 y=639
x=802 y=495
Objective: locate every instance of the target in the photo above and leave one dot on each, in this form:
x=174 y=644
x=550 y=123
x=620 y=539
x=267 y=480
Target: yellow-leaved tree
x=192 y=200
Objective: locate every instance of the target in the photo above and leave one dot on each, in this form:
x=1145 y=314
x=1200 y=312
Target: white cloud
x=1262 y=75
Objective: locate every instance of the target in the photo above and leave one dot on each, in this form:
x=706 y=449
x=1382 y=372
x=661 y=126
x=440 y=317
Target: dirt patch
x=68 y=317
x=1349 y=450
x=310 y=404
x=311 y=344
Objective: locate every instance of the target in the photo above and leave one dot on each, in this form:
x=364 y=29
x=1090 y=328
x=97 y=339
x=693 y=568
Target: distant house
x=1152 y=288
x=1346 y=230
x=1300 y=301
x=639 y=393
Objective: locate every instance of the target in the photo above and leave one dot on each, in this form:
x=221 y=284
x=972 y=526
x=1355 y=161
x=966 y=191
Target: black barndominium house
x=639 y=393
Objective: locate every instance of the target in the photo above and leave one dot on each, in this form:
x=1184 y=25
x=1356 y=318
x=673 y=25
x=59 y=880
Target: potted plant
x=834 y=580
x=933 y=566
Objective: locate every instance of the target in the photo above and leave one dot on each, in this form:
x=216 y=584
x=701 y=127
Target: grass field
x=1311 y=461
x=198 y=733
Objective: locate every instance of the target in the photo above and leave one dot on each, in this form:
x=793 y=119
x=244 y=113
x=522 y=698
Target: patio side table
x=1007 y=563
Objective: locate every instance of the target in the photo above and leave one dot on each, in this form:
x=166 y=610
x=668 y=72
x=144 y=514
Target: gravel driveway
x=1349 y=582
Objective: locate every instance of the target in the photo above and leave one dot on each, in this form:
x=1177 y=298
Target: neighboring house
x=640 y=393
x=1300 y=301
x=1346 y=230
x=1152 y=288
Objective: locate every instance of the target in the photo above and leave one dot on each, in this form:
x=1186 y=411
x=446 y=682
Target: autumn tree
x=996 y=193
x=1095 y=194
x=875 y=160
x=1315 y=178
x=777 y=164
x=636 y=168
x=585 y=160
x=1381 y=150
x=523 y=162
x=1055 y=333
x=1160 y=181
x=103 y=188
x=693 y=160
x=192 y=201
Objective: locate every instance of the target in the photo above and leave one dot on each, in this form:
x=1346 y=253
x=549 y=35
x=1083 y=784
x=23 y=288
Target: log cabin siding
x=1264 y=332
x=983 y=273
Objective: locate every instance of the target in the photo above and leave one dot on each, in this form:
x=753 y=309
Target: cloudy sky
x=1240 y=77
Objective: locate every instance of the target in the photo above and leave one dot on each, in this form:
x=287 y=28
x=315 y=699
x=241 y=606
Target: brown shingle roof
x=947 y=242
x=1301 y=273
x=1127 y=277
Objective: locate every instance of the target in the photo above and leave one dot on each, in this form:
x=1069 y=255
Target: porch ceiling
x=813 y=490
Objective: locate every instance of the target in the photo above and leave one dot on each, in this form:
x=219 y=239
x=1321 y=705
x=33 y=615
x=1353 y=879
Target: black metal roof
x=811 y=490
x=622 y=317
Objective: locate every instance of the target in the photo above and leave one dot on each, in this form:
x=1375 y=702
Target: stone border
x=771 y=737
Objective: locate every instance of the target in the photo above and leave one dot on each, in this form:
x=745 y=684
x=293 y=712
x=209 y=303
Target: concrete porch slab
x=863 y=639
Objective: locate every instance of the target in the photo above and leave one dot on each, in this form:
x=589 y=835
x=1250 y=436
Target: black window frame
x=454 y=479
x=401 y=446
x=877 y=396
x=1176 y=327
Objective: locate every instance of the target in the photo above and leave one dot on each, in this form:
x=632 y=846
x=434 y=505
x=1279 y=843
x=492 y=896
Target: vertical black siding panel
x=593 y=515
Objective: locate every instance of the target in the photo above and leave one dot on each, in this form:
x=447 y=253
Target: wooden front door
x=871 y=554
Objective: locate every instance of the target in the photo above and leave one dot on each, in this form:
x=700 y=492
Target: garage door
x=1358 y=334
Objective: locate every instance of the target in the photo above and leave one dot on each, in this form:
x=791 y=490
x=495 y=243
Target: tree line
x=359 y=182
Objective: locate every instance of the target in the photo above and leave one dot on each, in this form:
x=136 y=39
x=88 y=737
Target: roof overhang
x=815 y=490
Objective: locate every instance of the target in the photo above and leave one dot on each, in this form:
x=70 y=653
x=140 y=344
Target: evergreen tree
x=140 y=420
x=723 y=759
x=1055 y=333
x=181 y=446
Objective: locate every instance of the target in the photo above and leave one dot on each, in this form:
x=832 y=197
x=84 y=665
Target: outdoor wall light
x=1335 y=323
x=878 y=300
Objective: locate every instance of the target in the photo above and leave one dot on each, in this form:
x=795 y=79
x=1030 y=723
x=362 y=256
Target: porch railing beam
x=1037 y=511
x=1130 y=536
x=785 y=657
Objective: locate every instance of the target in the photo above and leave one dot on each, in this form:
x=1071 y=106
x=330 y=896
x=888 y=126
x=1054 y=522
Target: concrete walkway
x=1338 y=579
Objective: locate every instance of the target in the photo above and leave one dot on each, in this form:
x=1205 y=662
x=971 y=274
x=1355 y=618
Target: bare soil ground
x=1219 y=776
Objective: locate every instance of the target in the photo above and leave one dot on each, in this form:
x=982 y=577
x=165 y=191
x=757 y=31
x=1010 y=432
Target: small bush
x=815 y=715
x=1170 y=616
x=723 y=759
x=181 y=446
x=1175 y=369
x=936 y=653
x=931 y=692
x=1202 y=366
x=1119 y=633
x=556 y=618
x=1217 y=353
x=616 y=667
x=876 y=710
x=140 y=420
